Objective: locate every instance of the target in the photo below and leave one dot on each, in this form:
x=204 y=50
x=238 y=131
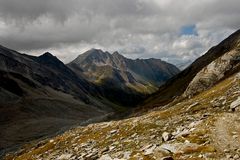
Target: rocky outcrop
x=215 y=71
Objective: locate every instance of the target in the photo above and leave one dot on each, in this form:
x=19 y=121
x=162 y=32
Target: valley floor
x=206 y=126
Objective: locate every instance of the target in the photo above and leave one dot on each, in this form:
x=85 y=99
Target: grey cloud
x=137 y=28
x=30 y=10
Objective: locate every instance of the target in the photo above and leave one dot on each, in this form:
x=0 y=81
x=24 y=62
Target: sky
x=176 y=31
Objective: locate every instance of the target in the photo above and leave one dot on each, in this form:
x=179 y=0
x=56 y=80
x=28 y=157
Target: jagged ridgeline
x=120 y=79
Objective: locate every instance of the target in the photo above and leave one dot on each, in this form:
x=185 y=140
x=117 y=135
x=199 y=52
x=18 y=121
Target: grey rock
x=236 y=156
x=113 y=131
x=238 y=76
x=235 y=103
x=104 y=150
x=146 y=147
x=229 y=156
x=134 y=135
x=235 y=136
x=183 y=133
x=64 y=157
x=111 y=148
x=126 y=155
x=193 y=105
x=150 y=150
x=105 y=157
x=166 y=136
x=168 y=148
x=152 y=136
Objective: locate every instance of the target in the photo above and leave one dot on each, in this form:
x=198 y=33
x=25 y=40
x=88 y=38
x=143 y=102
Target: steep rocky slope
x=195 y=128
x=123 y=78
x=224 y=54
x=214 y=72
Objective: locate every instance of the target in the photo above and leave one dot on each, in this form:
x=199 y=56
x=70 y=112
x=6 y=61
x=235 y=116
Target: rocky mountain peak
x=92 y=56
x=93 y=52
x=49 y=59
x=47 y=54
x=117 y=54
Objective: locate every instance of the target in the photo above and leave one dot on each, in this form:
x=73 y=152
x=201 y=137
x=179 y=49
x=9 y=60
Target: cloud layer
x=136 y=28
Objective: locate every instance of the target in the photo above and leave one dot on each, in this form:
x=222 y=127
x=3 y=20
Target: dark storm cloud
x=137 y=28
x=30 y=10
x=36 y=24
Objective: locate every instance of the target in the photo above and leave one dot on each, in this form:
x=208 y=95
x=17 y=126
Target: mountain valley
x=41 y=96
x=194 y=115
x=119 y=80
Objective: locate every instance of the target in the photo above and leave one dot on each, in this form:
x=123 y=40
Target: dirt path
x=226 y=133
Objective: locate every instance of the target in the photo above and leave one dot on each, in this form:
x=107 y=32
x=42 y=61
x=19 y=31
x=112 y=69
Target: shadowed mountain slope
x=40 y=96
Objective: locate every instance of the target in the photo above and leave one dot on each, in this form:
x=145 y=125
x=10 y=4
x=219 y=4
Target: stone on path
x=64 y=157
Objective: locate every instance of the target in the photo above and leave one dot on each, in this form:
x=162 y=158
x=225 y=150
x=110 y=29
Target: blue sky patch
x=189 y=30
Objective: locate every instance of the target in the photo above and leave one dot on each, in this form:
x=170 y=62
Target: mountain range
x=40 y=96
x=123 y=78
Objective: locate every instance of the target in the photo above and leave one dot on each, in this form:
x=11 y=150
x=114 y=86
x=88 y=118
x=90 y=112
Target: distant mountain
x=184 y=65
x=115 y=72
x=217 y=64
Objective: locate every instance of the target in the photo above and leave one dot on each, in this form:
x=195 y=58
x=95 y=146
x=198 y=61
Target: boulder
x=64 y=157
x=150 y=150
x=105 y=157
x=183 y=133
x=193 y=105
x=166 y=136
x=168 y=148
x=113 y=131
x=235 y=104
